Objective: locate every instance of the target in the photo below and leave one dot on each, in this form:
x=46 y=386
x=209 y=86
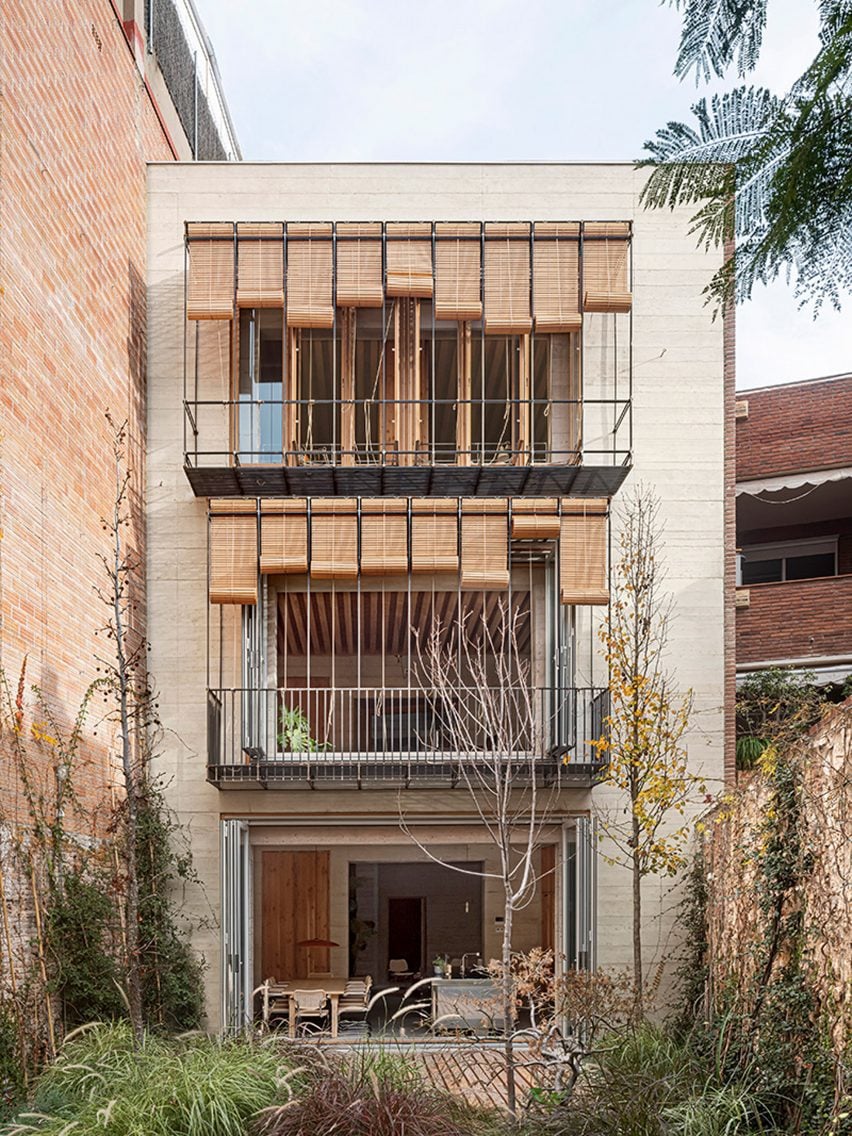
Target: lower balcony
x=794 y=621
x=406 y=737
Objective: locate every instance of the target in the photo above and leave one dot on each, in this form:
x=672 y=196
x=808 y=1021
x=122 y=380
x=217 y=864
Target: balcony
x=794 y=620
x=397 y=737
x=408 y=359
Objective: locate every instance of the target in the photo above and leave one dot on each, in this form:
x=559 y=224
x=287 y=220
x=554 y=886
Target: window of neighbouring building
x=789 y=560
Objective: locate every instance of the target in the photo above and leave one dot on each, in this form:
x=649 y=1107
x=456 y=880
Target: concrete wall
x=679 y=430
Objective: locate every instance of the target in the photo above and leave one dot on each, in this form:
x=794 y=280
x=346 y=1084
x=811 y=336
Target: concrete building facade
x=379 y=397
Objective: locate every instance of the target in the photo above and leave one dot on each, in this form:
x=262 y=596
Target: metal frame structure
x=584 y=471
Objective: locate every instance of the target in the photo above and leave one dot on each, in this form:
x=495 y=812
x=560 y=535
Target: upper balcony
x=408 y=359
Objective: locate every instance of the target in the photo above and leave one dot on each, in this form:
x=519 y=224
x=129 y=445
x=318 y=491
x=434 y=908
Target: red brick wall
x=796 y=620
x=77 y=129
x=796 y=427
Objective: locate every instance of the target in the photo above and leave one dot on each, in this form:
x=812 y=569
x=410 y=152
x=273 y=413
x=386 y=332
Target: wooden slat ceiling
x=386 y=625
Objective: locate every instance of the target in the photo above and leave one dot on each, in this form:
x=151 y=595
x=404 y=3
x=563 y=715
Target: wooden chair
x=310 y=1008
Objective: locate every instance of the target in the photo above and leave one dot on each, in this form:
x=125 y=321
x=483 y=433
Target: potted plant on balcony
x=439 y=965
x=294 y=734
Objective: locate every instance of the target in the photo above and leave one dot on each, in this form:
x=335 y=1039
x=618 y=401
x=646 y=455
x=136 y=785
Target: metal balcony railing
x=402 y=735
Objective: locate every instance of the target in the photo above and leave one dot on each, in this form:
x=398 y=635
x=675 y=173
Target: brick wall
x=799 y=619
x=796 y=427
x=77 y=129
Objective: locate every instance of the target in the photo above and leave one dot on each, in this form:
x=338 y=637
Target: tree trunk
x=124 y=682
x=509 y=1012
x=638 y=976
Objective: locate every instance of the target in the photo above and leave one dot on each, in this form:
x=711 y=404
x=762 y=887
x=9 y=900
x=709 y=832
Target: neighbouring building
x=91 y=92
x=794 y=528
x=388 y=401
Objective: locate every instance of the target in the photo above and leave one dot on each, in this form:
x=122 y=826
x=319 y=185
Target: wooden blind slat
x=556 y=277
x=606 y=276
x=582 y=560
x=334 y=538
x=260 y=265
x=458 y=271
x=507 y=279
x=408 y=259
x=309 y=275
x=284 y=537
x=484 y=551
x=359 y=265
x=210 y=286
x=384 y=545
x=434 y=535
x=535 y=518
x=233 y=559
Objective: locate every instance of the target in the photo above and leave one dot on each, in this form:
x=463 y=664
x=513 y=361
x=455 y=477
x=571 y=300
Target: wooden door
x=294 y=907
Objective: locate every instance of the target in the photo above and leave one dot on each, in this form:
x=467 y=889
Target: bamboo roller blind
x=210 y=284
x=458 y=272
x=322 y=272
x=582 y=554
x=535 y=518
x=434 y=535
x=384 y=537
x=507 y=279
x=606 y=278
x=556 y=277
x=233 y=552
x=409 y=259
x=260 y=266
x=334 y=539
x=359 y=265
x=435 y=541
x=284 y=536
x=484 y=546
x=310 y=273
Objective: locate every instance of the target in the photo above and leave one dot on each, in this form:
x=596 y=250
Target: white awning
x=793 y=481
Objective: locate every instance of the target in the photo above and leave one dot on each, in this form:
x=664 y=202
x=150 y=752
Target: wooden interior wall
x=294 y=906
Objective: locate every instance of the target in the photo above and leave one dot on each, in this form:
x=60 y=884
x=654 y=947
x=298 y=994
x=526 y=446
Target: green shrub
x=197 y=1087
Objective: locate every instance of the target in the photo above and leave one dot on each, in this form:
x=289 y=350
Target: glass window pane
x=762 y=571
x=261 y=369
x=807 y=567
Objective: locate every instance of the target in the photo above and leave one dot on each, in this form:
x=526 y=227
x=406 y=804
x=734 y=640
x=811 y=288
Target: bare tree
x=478 y=683
x=649 y=715
x=124 y=682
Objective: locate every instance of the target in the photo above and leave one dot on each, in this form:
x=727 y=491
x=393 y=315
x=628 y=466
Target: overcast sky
x=470 y=80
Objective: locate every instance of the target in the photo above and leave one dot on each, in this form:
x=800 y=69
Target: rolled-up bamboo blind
x=458 y=271
x=210 y=286
x=535 y=518
x=359 y=265
x=334 y=539
x=606 y=276
x=284 y=536
x=260 y=265
x=434 y=535
x=408 y=259
x=484 y=545
x=384 y=537
x=582 y=555
x=507 y=279
x=309 y=275
x=556 y=276
x=233 y=552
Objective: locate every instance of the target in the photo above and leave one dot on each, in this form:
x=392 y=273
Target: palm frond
x=714 y=32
